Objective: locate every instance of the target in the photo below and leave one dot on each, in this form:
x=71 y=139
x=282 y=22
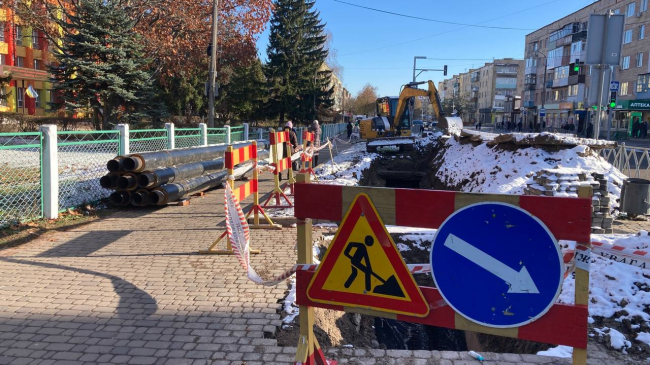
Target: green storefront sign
x=642 y=104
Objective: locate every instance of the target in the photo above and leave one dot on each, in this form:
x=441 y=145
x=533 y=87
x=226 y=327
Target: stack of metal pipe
x=158 y=178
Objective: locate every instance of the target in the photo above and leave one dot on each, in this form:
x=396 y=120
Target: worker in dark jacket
x=293 y=144
x=349 y=129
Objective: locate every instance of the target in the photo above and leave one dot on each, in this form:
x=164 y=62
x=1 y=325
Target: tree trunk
x=282 y=118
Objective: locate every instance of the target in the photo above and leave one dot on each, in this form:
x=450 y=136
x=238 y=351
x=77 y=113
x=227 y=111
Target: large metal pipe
x=173 y=192
x=121 y=197
x=116 y=164
x=127 y=182
x=153 y=160
x=109 y=181
x=139 y=198
x=152 y=179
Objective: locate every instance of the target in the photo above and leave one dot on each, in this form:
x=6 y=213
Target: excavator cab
x=386 y=107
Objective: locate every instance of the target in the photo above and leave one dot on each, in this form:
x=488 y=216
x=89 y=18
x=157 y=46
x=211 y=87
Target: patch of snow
x=348 y=166
x=560 y=351
x=617 y=340
x=643 y=337
x=290 y=307
x=483 y=169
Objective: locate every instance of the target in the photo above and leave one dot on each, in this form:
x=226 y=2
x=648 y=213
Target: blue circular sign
x=497 y=265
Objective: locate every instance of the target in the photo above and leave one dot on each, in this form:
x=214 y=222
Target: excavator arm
x=410 y=91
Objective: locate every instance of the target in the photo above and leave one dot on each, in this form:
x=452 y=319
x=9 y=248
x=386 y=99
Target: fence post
x=170 y=136
x=204 y=134
x=261 y=132
x=227 y=134
x=124 y=139
x=50 y=172
x=246 y=131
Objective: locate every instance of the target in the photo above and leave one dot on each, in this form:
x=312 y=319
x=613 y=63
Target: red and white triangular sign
x=363 y=268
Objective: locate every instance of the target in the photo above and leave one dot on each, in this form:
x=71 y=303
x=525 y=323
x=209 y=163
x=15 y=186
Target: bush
x=17 y=122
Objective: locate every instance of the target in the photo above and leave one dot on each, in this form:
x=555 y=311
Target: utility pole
x=212 y=74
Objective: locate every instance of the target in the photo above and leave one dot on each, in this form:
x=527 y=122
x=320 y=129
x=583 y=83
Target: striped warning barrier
x=280 y=164
x=235 y=157
x=565 y=218
x=306 y=157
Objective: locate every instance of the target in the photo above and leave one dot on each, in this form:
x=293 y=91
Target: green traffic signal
x=595 y=107
x=576 y=68
x=612 y=104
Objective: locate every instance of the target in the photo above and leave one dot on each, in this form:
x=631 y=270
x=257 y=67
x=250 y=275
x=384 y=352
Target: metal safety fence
x=82 y=160
x=147 y=140
x=631 y=161
x=187 y=137
x=20 y=177
x=46 y=172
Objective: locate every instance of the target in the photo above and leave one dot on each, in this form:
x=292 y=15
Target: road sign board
x=363 y=268
x=614 y=85
x=497 y=265
x=605 y=39
x=542 y=112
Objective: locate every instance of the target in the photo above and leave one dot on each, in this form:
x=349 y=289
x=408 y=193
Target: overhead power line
x=427 y=19
x=449 y=31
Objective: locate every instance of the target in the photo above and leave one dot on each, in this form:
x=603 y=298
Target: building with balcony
x=551 y=53
x=23 y=54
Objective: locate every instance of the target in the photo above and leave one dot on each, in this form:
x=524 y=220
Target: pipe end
x=156 y=197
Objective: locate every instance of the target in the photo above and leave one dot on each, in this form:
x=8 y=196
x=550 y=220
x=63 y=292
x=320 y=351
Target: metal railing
x=216 y=135
x=631 y=161
x=148 y=140
x=187 y=137
x=82 y=160
x=20 y=177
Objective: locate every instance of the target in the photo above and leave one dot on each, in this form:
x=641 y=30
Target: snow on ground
x=348 y=166
x=484 y=169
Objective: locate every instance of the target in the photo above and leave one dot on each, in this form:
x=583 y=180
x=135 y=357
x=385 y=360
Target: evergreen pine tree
x=101 y=65
x=246 y=94
x=298 y=80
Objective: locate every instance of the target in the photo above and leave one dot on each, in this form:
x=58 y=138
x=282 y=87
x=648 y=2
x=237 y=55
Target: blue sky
x=358 y=33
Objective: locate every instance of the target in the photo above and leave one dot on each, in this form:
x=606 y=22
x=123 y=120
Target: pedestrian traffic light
x=612 y=100
x=595 y=107
x=576 y=67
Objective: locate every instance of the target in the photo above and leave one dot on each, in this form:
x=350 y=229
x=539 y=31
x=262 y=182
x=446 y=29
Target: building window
x=624 y=88
x=19 y=35
x=38 y=64
x=628 y=36
x=643 y=83
x=35 y=42
x=644 y=5
x=573 y=90
x=631 y=9
x=20 y=61
x=641 y=32
x=626 y=63
x=617 y=11
x=20 y=98
x=37 y=100
x=639 y=59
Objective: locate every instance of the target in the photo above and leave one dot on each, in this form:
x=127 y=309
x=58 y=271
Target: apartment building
x=23 y=54
x=551 y=54
x=484 y=91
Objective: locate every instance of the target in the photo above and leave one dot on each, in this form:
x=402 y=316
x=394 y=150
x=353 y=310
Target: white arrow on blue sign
x=614 y=85
x=497 y=265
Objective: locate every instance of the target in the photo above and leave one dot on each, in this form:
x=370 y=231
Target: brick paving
x=130 y=289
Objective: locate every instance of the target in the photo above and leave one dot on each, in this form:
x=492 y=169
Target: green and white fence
x=46 y=172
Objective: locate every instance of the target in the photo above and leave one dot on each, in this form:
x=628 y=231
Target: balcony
x=577 y=79
x=549 y=83
x=475 y=78
x=532 y=70
x=580 y=36
x=530 y=87
x=529 y=104
x=564 y=81
x=475 y=88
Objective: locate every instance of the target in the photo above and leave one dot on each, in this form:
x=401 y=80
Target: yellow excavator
x=392 y=125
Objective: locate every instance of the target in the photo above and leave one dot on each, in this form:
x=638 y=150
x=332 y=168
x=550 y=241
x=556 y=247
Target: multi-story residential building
x=552 y=51
x=485 y=91
x=23 y=54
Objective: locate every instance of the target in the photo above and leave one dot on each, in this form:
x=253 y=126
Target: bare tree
x=366 y=99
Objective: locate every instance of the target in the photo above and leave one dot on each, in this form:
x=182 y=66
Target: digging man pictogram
x=360 y=260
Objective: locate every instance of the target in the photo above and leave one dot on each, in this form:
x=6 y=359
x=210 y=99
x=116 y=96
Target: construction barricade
x=235 y=157
x=307 y=155
x=495 y=260
x=281 y=161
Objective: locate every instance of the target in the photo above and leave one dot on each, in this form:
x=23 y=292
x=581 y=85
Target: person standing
x=293 y=144
x=349 y=129
x=315 y=129
x=636 y=126
x=644 y=129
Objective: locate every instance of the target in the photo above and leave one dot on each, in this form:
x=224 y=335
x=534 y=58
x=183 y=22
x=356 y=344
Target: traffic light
x=595 y=107
x=612 y=100
x=576 y=67
x=445 y=70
